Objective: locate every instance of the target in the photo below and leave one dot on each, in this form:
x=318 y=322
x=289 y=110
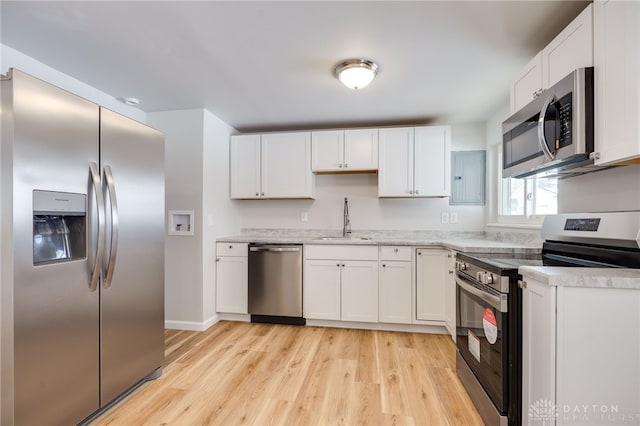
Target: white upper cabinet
x=414 y=162
x=571 y=49
x=274 y=165
x=245 y=166
x=617 y=81
x=345 y=150
x=361 y=149
x=327 y=150
x=286 y=165
x=395 y=174
x=432 y=161
x=528 y=84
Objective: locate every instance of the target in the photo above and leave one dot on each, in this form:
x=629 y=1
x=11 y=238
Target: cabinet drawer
x=231 y=249
x=341 y=252
x=402 y=253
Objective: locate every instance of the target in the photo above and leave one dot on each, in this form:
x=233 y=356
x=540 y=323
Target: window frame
x=529 y=187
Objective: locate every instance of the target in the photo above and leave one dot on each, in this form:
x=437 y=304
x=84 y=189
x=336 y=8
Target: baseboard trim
x=191 y=325
x=410 y=328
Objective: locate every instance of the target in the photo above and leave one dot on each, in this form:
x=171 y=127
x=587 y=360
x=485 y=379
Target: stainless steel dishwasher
x=275 y=283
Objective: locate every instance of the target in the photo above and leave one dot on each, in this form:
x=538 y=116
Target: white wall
x=494 y=145
x=605 y=191
x=220 y=214
x=11 y=58
x=183 y=191
x=367 y=211
x=196 y=178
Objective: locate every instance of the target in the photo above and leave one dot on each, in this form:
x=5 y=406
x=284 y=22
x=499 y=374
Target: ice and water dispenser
x=59 y=227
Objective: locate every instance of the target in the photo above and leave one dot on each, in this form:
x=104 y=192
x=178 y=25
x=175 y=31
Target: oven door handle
x=495 y=301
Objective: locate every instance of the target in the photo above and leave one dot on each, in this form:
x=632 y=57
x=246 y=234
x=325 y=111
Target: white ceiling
x=269 y=65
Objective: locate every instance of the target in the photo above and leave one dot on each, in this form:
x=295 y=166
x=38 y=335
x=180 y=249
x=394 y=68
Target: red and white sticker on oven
x=490 y=325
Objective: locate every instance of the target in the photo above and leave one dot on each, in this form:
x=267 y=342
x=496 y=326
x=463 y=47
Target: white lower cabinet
x=341 y=283
x=450 y=294
x=580 y=352
x=232 y=278
x=431 y=267
x=395 y=285
x=359 y=291
x=321 y=292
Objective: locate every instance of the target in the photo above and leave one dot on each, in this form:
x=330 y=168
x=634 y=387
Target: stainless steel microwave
x=552 y=132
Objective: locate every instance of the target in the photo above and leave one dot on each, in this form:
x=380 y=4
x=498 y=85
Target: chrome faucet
x=346 y=226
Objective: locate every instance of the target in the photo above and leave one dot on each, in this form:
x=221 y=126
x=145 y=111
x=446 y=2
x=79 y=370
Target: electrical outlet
x=453 y=217
x=444 y=217
x=304 y=217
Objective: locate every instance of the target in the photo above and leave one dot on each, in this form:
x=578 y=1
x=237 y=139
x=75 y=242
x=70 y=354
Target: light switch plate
x=453 y=217
x=444 y=217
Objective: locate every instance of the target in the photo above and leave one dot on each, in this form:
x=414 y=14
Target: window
x=528 y=197
x=532 y=196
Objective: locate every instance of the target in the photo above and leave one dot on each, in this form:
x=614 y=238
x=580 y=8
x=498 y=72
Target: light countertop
x=583 y=277
x=472 y=243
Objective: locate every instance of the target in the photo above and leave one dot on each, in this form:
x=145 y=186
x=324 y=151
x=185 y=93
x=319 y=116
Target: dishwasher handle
x=275 y=249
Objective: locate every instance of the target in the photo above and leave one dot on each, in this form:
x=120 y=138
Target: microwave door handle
x=542 y=140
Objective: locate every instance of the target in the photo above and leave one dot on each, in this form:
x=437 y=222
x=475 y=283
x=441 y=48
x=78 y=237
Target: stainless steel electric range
x=489 y=302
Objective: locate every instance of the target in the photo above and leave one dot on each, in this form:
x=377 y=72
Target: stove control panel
x=485 y=277
x=479 y=274
x=461 y=266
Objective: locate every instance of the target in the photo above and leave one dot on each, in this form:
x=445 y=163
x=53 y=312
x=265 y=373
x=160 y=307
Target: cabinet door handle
x=384 y=266
x=338 y=265
x=217 y=259
x=522 y=284
x=450 y=272
x=449 y=256
x=346 y=165
x=262 y=194
x=257 y=194
x=410 y=191
x=395 y=250
x=343 y=265
x=419 y=253
x=340 y=165
x=416 y=192
x=230 y=247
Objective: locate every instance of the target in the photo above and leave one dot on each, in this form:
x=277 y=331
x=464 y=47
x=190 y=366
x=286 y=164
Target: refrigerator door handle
x=114 y=226
x=97 y=189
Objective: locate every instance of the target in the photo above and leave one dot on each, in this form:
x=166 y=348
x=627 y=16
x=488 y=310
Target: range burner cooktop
x=501 y=264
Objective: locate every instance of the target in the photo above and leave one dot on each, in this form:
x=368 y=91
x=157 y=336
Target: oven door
x=482 y=337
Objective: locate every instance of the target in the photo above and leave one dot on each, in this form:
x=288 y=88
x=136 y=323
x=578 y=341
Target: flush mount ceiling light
x=131 y=101
x=356 y=73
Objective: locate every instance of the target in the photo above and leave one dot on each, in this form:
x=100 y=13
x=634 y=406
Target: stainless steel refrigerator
x=82 y=216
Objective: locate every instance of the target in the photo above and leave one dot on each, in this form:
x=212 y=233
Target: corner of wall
x=11 y=58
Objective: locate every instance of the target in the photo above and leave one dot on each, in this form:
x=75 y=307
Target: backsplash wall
x=611 y=190
x=367 y=211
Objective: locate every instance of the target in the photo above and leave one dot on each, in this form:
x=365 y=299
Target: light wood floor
x=257 y=374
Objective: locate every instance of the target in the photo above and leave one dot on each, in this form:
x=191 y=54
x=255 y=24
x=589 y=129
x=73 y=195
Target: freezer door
x=132 y=290
x=56 y=317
